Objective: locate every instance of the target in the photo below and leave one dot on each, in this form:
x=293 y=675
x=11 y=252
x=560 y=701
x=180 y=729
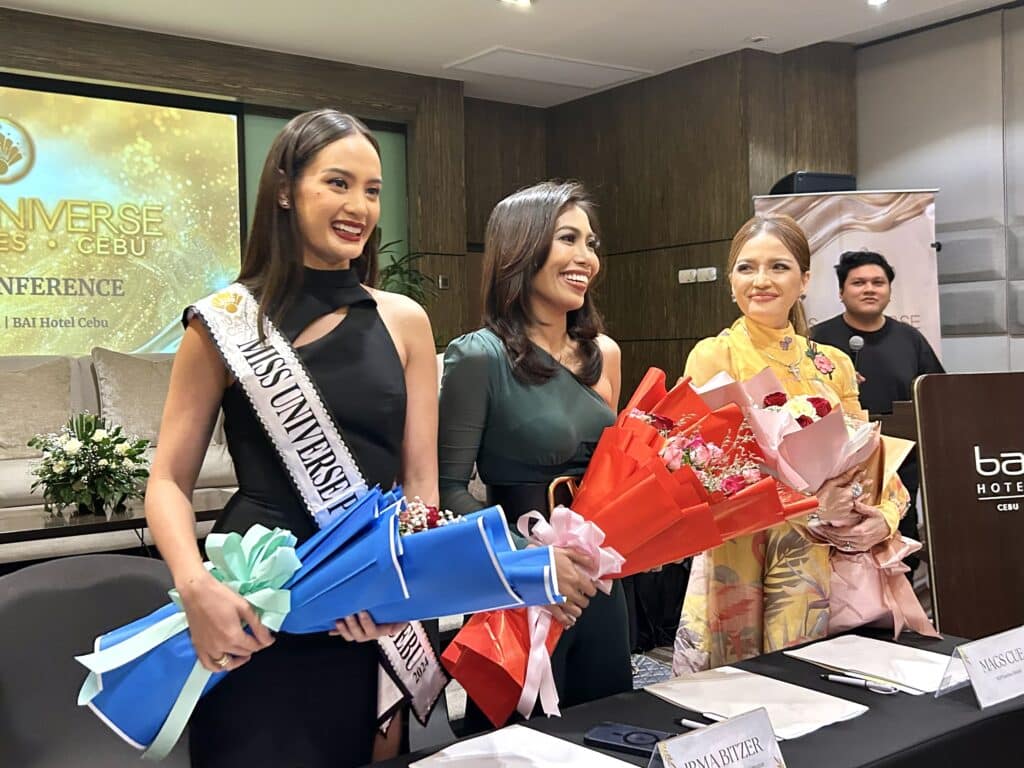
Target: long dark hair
x=784 y=229
x=272 y=265
x=516 y=246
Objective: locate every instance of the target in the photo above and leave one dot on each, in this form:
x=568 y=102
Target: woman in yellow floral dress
x=770 y=590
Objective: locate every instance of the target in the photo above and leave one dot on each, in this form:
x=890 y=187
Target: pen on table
x=689 y=723
x=857 y=682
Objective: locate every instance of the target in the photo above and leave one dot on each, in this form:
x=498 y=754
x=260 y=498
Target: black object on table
x=900 y=731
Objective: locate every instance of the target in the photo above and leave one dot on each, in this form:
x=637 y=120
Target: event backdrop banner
x=114 y=216
x=900 y=225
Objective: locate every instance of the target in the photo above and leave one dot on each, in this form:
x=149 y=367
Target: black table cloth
x=900 y=731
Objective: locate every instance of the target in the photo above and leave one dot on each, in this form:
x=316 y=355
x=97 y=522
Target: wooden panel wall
x=802 y=112
x=661 y=155
x=449 y=308
x=506 y=150
x=430 y=107
x=673 y=161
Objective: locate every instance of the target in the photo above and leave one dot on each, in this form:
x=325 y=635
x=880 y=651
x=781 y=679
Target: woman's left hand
x=360 y=628
x=859 y=537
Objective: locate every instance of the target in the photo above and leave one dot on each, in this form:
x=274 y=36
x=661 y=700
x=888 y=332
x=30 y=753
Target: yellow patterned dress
x=768 y=591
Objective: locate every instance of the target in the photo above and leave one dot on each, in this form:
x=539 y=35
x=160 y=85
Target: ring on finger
x=223 y=661
x=856 y=490
x=846 y=545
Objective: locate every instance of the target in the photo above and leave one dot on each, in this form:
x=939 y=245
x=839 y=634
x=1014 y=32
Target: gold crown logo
x=17 y=153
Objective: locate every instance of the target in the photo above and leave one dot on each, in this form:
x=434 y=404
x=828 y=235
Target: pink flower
x=700 y=454
x=823 y=364
x=752 y=475
x=673 y=455
x=693 y=440
x=733 y=483
x=715 y=451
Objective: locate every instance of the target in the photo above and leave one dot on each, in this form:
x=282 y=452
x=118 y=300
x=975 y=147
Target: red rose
x=804 y=421
x=822 y=407
x=775 y=399
x=661 y=423
x=433 y=516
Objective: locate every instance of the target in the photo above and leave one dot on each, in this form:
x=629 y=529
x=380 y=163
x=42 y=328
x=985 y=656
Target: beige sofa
x=39 y=394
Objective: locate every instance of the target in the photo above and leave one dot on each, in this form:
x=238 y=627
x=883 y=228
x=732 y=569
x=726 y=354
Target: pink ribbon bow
x=564 y=529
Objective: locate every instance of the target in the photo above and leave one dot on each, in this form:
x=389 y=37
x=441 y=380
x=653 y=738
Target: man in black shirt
x=893 y=353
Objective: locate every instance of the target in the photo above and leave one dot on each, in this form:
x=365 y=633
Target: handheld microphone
x=856 y=345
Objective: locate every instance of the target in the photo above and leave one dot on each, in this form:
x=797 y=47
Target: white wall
x=945 y=108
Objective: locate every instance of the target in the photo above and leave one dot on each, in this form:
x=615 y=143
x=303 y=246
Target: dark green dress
x=521 y=437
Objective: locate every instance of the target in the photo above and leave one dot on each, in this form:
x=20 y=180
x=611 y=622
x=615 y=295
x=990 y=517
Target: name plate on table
x=995 y=667
x=745 y=741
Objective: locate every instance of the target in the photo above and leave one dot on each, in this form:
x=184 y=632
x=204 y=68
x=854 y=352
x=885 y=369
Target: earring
x=732 y=298
x=283 y=203
x=803 y=296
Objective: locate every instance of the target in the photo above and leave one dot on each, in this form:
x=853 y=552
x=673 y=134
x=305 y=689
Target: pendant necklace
x=784 y=344
x=793 y=368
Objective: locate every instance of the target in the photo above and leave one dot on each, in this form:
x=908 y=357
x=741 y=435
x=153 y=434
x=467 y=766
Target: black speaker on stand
x=800 y=182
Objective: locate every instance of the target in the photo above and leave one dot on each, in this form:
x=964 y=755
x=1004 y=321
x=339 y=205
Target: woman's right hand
x=571 y=568
x=216 y=616
x=835 y=497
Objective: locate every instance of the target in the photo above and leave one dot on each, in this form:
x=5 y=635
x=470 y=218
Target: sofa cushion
x=132 y=391
x=217 y=470
x=33 y=400
x=15 y=480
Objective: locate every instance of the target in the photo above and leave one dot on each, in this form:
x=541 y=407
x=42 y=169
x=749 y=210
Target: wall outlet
x=687 y=276
x=443 y=283
x=707 y=275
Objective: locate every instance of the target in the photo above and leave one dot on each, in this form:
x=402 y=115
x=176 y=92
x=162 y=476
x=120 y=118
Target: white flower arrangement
x=90 y=464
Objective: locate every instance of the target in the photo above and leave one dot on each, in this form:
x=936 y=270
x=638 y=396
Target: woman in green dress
x=526 y=398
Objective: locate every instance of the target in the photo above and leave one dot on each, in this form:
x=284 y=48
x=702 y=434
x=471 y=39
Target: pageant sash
x=321 y=466
x=288 y=405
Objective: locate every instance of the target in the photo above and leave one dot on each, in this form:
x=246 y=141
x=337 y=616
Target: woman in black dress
x=526 y=398
x=298 y=700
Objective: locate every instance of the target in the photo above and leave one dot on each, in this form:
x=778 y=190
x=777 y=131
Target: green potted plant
x=89 y=466
x=402 y=274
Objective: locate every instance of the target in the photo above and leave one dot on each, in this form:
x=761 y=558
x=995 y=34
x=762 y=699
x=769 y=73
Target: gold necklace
x=793 y=368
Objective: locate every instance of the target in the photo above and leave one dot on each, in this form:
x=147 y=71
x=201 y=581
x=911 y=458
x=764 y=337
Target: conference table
x=898 y=731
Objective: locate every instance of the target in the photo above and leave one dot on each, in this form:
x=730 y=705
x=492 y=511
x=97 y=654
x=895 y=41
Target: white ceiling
x=632 y=38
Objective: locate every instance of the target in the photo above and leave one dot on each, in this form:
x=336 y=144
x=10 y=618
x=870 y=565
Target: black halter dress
x=307 y=700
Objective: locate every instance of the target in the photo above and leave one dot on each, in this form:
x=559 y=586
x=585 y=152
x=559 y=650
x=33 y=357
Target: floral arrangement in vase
x=90 y=466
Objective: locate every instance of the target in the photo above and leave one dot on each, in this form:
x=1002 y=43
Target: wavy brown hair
x=516 y=246
x=784 y=229
x=272 y=265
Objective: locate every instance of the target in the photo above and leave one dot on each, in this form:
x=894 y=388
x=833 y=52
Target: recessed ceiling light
x=518 y=3
x=877 y=3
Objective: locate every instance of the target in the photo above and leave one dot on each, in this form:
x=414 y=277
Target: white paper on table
x=727 y=692
x=518 y=747
x=910 y=669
